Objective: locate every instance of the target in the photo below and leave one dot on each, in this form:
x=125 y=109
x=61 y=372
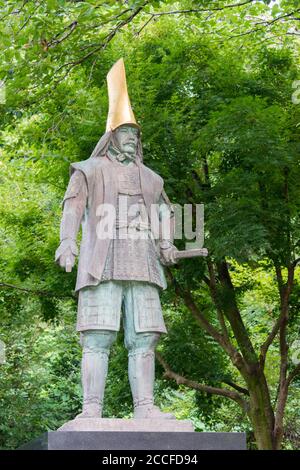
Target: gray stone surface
x=80 y=440
x=128 y=425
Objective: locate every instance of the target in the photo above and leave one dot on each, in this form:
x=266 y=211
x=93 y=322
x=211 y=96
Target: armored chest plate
x=128 y=179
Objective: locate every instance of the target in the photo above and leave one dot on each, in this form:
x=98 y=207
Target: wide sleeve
x=74 y=204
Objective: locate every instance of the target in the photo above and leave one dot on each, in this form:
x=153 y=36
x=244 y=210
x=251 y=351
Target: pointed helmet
x=120 y=111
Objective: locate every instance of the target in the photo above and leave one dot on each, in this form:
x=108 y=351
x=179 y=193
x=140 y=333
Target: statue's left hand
x=167 y=253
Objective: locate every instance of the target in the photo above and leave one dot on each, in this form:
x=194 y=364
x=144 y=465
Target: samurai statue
x=120 y=267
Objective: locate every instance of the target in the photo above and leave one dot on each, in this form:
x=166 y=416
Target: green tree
x=211 y=84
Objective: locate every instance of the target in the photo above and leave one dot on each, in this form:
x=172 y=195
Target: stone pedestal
x=127 y=425
x=135 y=434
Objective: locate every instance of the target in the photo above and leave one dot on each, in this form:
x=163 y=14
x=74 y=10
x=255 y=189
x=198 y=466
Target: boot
x=94 y=368
x=141 y=373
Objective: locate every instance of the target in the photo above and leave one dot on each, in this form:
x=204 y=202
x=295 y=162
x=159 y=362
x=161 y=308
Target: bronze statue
x=123 y=270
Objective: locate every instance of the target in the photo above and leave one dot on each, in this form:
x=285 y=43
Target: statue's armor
x=132 y=274
x=124 y=271
x=132 y=256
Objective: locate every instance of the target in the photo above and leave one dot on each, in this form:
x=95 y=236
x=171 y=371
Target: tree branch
x=179 y=379
x=297 y=261
x=264 y=23
x=237 y=387
x=283 y=381
x=214 y=294
x=102 y=45
x=286 y=15
x=191 y=10
x=265 y=346
x=57 y=39
x=186 y=296
x=293 y=374
x=234 y=317
x=200 y=10
x=42 y=293
x=15 y=12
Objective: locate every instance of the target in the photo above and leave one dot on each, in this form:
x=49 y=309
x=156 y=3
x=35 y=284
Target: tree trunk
x=260 y=411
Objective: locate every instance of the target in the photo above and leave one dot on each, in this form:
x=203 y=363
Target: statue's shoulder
x=87 y=166
x=151 y=174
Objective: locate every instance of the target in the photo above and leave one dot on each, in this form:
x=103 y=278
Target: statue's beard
x=130 y=156
x=122 y=156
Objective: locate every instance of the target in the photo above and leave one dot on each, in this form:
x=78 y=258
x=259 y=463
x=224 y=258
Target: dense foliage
x=212 y=89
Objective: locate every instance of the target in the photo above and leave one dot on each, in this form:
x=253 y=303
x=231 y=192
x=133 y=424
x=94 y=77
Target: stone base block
x=127 y=425
x=128 y=441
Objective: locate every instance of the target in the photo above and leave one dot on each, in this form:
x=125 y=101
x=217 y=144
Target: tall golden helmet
x=120 y=111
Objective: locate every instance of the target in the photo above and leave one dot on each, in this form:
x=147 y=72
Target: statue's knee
x=151 y=341
x=97 y=340
x=143 y=342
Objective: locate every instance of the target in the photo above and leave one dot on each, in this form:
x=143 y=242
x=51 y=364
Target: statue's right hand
x=65 y=254
x=67 y=260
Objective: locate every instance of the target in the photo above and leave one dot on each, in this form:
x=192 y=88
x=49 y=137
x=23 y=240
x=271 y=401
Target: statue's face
x=126 y=138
